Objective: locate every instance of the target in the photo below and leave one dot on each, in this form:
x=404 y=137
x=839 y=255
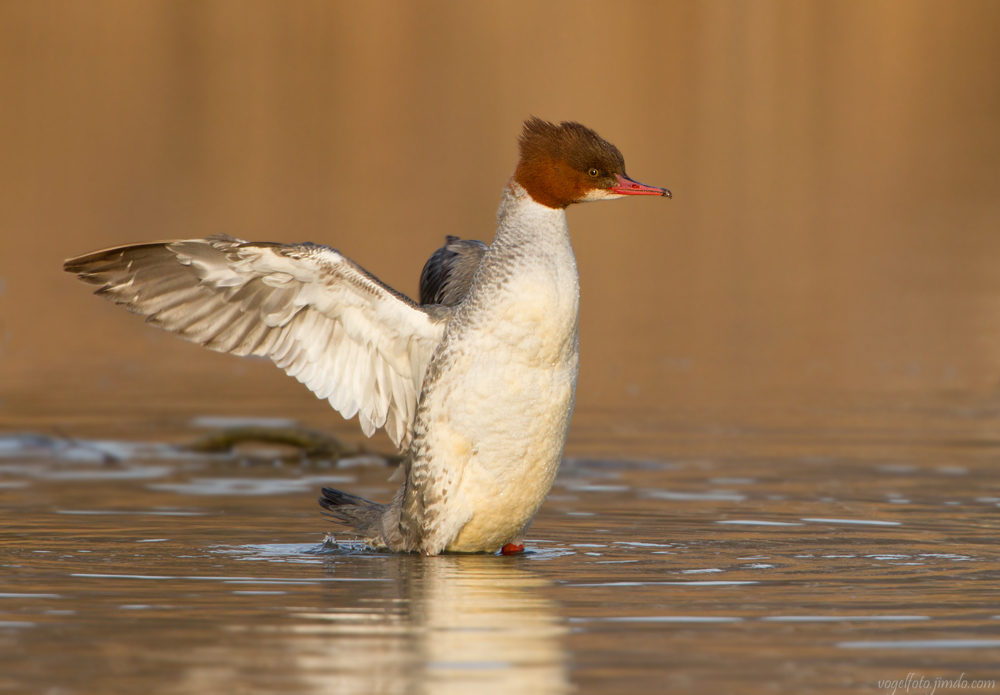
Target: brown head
x=570 y=163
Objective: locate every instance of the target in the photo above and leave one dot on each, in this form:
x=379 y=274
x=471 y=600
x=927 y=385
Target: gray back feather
x=448 y=273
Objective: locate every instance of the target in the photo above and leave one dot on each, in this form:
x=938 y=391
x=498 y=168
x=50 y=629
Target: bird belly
x=502 y=413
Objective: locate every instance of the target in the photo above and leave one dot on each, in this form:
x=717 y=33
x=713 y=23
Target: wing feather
x=349 y=338
x=448 y=273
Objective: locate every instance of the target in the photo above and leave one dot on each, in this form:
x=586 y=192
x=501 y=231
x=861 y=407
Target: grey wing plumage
x=448 y=273
x=319 y=316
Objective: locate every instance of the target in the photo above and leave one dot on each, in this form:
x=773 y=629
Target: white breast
x=501 y=410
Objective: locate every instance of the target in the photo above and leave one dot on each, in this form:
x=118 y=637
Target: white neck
x=522 y=220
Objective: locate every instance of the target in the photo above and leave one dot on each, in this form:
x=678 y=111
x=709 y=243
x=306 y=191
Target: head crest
x=569 y=141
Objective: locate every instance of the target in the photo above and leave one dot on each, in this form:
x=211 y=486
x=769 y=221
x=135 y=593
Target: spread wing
x=447 y=275
x=319 y=316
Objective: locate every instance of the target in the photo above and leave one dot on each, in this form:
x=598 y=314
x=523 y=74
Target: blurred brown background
x=834 y=232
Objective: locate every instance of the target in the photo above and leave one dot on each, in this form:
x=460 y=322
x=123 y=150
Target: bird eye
x=593 y=172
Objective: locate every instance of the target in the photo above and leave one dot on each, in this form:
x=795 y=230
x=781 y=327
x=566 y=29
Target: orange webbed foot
x=512 y=549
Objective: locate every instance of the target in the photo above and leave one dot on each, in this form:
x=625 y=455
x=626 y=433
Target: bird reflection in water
x=458 y=624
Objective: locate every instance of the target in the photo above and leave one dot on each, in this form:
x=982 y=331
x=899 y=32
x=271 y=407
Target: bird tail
x=356 y=512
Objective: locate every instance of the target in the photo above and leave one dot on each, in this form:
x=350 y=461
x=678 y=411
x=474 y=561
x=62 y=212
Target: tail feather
x=353 y=511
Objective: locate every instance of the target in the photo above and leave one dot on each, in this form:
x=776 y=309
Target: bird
x=475 y=384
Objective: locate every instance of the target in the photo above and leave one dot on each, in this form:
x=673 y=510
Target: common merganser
x=475 y=384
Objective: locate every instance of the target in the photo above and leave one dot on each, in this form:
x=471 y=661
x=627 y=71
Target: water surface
x=133 y=567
